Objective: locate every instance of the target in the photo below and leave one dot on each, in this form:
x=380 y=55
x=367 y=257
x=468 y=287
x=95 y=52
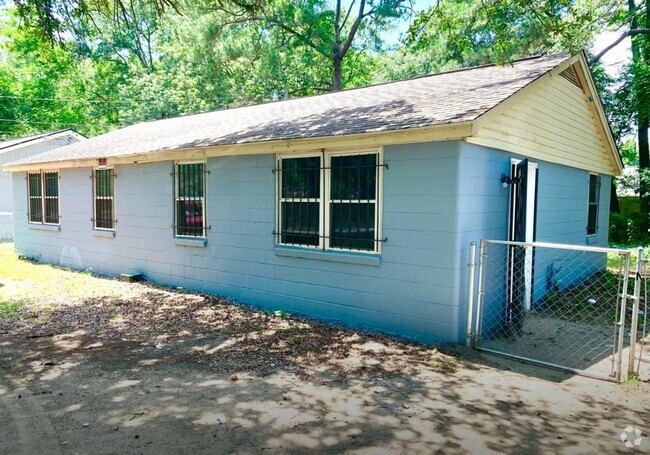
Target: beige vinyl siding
x=551 y=121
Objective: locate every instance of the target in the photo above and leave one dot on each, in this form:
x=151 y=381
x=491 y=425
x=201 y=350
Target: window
x=104 y=192
x=331 y=207
x=43 y=194
x=592 y=213
x=189 y=196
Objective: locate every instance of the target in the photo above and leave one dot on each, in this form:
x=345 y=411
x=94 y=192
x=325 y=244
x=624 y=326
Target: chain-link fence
x=6 y=227
x=558 y=305
x=639 y=357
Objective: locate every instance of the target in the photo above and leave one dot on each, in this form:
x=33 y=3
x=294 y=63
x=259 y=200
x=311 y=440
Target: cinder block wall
x=412 y=291
x=562 y=202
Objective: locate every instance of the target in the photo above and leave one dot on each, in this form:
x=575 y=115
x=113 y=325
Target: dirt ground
x=71 y=394
x=95 y=366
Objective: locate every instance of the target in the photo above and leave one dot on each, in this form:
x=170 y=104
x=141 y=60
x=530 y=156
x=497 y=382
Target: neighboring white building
x=18 y=149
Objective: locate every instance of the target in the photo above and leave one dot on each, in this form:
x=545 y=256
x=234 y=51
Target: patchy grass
x=615 y=261
x=41 y=300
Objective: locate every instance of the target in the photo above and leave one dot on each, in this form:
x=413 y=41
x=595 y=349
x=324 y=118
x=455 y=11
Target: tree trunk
x=337 y=77
x=638 y=58
x=643 y=49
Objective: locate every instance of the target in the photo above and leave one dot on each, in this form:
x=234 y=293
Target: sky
x=612 y=60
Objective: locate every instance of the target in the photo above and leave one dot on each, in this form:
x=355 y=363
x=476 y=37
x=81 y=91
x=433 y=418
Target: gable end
x=558 y=119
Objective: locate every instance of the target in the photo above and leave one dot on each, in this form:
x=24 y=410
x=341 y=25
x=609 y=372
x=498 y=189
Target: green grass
x=27 y=283
x=615 y=260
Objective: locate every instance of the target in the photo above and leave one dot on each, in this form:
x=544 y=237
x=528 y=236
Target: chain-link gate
x=6 y=227
x=563 y=306
x=639 y=349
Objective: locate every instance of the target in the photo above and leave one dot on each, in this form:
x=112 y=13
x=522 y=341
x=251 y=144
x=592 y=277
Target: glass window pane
x=52 y=184
x=52 y=211
x=190 y=180
x=593 y=188
x=35 y=185
x=190 y=218
x=104 y=213
x=35 y=201
x=104 y=183
x=354 y=177
x=592 y=219
x=352 y=226
x=300 y=223
x=301 y=177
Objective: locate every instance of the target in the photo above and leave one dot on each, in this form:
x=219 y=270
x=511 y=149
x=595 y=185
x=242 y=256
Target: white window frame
x=177 y=199
x=597 y=203
x=279 y=199
x=95 y=197
x=325 y=199
x=43 y=196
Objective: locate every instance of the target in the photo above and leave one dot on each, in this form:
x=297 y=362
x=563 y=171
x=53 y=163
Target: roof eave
x=449 y=131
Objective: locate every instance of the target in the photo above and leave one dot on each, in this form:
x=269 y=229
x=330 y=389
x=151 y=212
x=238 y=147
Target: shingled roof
x=440 y=99
x=6 y=146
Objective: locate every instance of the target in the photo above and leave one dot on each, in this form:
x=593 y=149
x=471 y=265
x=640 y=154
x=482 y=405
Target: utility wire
x=123 y=102
x=28 y=122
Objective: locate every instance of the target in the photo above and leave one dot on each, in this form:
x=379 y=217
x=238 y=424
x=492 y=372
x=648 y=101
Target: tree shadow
x=123 y=397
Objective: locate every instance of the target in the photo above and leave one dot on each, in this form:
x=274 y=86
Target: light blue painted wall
x=437 y=198
x=413 y=292
x=561 y=218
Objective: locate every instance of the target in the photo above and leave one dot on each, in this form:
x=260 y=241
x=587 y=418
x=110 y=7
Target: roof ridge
x=351 y=89
x=30 y=138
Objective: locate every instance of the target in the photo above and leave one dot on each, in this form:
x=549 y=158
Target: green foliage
x=627 y=229
x=629 y=152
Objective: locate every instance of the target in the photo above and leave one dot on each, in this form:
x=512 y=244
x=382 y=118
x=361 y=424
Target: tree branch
x=355 y=27
x=622 y=36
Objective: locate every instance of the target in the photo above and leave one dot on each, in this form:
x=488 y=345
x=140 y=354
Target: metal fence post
x=470 y=292
x=636 y=298
x=481 y=290
x=621 y=322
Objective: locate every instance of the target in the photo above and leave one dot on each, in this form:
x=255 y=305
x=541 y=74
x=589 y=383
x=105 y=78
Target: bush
x=627 y=229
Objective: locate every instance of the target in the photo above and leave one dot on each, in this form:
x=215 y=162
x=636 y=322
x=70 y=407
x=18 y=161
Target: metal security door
x=523 y=198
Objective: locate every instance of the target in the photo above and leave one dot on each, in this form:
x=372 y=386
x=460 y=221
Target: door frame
x=530 y=233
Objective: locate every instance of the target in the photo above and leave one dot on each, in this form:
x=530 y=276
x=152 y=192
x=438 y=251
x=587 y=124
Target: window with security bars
x=43 y=194
x=592 y=213
x=189 y=210
x=332 y=207
x=104 y=190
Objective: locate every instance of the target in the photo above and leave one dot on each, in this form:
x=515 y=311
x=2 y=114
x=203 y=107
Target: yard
x=94 y=365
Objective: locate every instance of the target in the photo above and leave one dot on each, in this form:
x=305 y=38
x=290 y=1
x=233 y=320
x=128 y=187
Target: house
x=356 y=206
x=16 y=149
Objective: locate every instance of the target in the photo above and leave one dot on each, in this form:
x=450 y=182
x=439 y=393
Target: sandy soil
x=76 y=393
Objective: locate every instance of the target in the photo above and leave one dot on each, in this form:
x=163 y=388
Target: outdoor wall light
x=506 y=180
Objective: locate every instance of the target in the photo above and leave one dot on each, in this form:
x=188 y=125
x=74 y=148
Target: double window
x=104 y=199
x=330 y=201
x=189 y=200
x=43 y=194
x=592 y=210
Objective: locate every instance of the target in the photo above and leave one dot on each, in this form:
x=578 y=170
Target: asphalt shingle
x=439 y=99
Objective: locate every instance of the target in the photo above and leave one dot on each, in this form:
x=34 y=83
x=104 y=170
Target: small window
x=594 y=196
x=43 y=194
x=189 y=209
x=331 y=207
x=104 y=191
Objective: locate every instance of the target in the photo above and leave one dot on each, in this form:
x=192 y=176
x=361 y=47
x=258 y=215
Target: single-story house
x=17 y=149
x=356 y=206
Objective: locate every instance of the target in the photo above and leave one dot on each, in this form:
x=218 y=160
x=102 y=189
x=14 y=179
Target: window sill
x=332 y=256
x=591 y=239
x=196 y=243
x=102 y=233
x=45 y=227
